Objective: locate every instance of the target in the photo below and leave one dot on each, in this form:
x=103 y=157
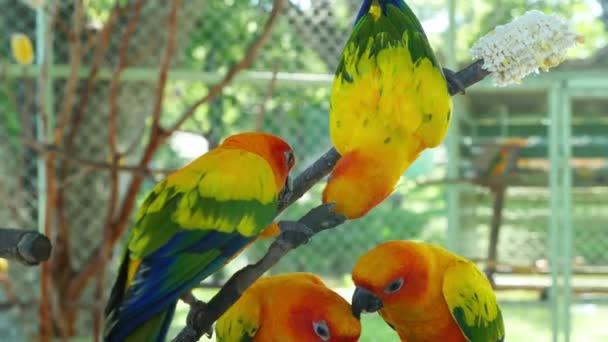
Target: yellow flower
x=3 y=265
x=22 y=49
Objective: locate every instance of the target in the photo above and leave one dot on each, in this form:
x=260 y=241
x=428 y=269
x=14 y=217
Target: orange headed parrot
x=427 y=293
x=389 y=102
x=190 y=225
x=289 y=307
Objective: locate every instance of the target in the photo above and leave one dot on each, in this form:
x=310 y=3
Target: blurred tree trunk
x=497 y=214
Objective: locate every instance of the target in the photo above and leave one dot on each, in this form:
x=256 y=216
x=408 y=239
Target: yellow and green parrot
x=190 y=225
x=427 y=293
x=289 y=307
x=389 y=102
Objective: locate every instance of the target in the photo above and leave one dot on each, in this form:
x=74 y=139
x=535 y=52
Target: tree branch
x=244 y=63
x=26 y=246
x=89 y=163
x=201 y=317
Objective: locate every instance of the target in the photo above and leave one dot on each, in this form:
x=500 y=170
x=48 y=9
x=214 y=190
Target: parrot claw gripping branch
x=498 y=54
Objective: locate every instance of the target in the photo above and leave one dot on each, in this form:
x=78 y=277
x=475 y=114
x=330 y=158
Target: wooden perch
x=26 y=246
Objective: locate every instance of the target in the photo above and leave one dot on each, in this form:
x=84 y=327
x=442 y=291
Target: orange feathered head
x=273 y=149
x=292 y=307
x=391 y=273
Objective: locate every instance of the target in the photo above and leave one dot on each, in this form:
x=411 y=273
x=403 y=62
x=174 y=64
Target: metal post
x=504 y=123
x=566 y=234
x=40 y=134
x=453 y=143
x=554 y=231
x=560 y=221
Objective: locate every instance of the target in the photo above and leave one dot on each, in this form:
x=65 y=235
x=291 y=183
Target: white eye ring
x=394 y=286
x=321 y=329
x=289 y=157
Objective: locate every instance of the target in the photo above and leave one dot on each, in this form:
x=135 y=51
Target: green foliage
x=9 y=114
x=228 y=26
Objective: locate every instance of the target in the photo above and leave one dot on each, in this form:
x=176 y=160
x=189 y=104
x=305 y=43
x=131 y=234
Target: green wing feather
x=397 y=26
x=241 y=322
x=208 y=194
x=472 y=303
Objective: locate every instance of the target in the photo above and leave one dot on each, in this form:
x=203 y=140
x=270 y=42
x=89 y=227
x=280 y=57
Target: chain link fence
x=285 y=92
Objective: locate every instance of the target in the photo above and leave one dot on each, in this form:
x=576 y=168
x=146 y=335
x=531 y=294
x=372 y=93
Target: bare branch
x=71 y=83
x=100 y=51
x=9 y=203
x=259 y=118
x=26 y=246
x=244 y=63
x=91 y=164
x=164 y=68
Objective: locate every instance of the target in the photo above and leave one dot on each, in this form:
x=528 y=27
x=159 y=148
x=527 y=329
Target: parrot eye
x=394 y=286
x=289 y=158
x=321 y=329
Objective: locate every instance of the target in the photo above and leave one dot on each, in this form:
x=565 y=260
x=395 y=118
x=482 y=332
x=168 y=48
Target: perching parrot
x=190 y=225
x=289 y=307
x=389 y=102
x=427 y=293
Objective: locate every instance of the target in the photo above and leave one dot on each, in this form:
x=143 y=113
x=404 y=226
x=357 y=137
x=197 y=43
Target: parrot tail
x=119 y=329
x=359 y=182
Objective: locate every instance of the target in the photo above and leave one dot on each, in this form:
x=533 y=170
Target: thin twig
x=13 y=300
x=100 y=51
x=77 y=175
x=9 y=203
x=164 y=68
x=259 y=118
x=71 y=83
x=135 y=143
x=201 y=318
x=244 y=63
x=44 y=149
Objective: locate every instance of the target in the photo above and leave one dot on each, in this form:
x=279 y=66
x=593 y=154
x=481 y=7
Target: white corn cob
x=534 y=40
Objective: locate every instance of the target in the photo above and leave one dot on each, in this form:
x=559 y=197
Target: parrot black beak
x=365 y=301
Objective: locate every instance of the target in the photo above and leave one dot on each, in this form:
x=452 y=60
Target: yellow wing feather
x=190 y=198
x=241 y=321
x=472 y=303
x=223 y=167
x=389 y=97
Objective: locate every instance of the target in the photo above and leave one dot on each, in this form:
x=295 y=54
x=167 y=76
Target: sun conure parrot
x=427 y=293
x=190 y=225
x=289 y=307
x=389 y=102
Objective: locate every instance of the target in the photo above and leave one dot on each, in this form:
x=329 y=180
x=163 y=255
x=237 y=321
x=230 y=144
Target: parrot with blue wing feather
x=190 y=225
